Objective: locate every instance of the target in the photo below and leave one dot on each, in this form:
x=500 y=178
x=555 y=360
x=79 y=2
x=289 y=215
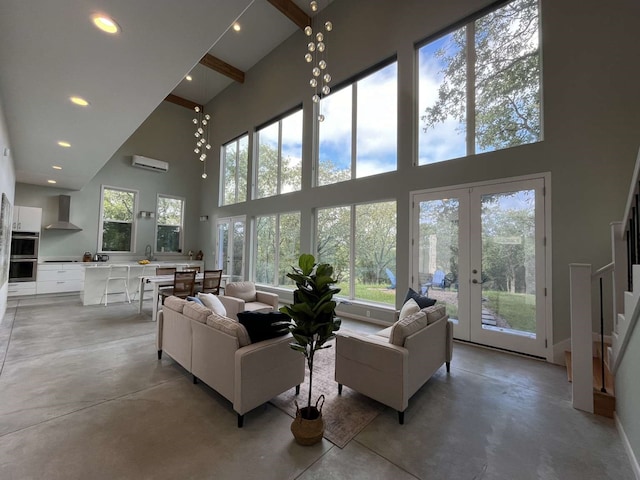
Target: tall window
x=358 y=136
x=479 y=85
x=117 y=214
x=279 y=165
x=359 y=241
x=169 y=224
x=235 y=164
x=277 y=248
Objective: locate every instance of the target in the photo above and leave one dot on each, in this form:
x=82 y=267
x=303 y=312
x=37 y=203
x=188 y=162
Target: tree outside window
x=235 y=164
x=480 y=85
x=169 y=224
x=118 y=214
x=277 y=248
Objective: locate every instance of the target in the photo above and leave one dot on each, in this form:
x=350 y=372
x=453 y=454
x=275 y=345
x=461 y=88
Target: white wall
x=166 y=135
x=7 y=186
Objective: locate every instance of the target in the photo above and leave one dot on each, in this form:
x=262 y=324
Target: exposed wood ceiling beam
x=293 y=12
x=223 y=67
x=183 y=102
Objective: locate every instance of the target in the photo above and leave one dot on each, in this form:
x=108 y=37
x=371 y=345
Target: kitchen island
x=96 y=274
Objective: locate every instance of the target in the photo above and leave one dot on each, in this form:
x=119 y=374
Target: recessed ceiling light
x=64 y=144
x=51 y=181
x=105 y=23
x=56 y=167
x=188 y=78
x=79 y=101
x=236 y=27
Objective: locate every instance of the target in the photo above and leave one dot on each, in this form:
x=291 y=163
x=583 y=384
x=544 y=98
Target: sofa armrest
x=268 y=298
x=232 y=305
x=374 y=367
x=264 y=370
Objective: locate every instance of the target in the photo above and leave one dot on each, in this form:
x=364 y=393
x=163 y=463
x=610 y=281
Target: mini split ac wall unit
x=149 y=163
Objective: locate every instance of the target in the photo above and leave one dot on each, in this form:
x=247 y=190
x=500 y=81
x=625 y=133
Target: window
x=235 y=164
x=117 y=214
x=279 y=164
x=277 y=248
x=359 y=241
x=358 y=136
x=169 y=224
x=479 y=85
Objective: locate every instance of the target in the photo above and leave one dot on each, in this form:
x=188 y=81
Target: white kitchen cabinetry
x=21 y=288
x=26 y=219
x=60 y=278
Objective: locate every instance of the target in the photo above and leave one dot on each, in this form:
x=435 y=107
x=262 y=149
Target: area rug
x=344 y=415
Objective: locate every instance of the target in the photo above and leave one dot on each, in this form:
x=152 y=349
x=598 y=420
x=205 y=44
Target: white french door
x=481 y=251
x=230 y=243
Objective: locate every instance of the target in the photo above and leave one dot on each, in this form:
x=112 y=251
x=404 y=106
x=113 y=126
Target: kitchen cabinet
x=60 y=278
x=26 y=219
x=21 y=288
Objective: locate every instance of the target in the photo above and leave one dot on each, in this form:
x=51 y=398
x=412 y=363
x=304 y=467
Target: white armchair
x=243 y=296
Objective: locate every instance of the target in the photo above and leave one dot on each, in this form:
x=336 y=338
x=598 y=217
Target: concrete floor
x=83 y=396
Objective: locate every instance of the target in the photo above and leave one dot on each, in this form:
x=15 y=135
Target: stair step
x=597 y=374
x=604 y=404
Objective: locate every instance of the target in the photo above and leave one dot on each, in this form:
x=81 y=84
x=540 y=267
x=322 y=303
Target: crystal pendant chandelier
x=316 y=55
x=201 y=121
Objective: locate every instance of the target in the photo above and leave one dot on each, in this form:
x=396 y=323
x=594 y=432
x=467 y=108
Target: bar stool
x=148 y=270
x=117 y=273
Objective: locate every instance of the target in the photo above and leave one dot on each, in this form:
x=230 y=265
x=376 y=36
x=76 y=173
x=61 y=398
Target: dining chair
x=211 y=281
x=183 y=285
x=165 y=270
x=195 y=268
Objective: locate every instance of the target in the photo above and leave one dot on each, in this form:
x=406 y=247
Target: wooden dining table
x=162 y=281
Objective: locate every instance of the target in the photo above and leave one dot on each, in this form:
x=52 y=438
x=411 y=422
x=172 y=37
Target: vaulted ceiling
x=51 y=51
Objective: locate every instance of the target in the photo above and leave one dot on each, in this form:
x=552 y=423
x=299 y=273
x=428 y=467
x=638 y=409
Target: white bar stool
x=117 y=273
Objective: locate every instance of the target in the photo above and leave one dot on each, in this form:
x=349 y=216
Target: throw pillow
x=195 y=299
x=212 y=302
x=261 y=325
x=409 y=308
x=421 y=300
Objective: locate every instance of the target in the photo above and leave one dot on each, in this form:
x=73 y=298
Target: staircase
x=604 y=403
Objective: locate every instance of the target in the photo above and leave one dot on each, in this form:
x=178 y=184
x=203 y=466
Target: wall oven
x=23 y=269
x=24 y=245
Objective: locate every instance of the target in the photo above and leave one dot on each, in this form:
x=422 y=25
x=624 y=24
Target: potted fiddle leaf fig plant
x=313 y=325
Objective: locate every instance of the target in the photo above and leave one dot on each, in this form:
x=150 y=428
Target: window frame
x=352 y=82
x=223 y=168
x=134 y=222
x=298 y=109
x=157 y=224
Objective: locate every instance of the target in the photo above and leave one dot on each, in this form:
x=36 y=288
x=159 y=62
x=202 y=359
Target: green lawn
x=371 y=293
x=517 y=309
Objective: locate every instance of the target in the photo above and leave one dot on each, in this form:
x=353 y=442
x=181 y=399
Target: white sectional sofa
x=218 y=351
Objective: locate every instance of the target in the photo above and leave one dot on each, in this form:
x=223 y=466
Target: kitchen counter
x=96 y=273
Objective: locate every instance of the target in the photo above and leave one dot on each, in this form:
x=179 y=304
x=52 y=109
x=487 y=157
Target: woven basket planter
x=308 y=426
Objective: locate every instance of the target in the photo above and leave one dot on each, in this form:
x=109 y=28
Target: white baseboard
x=627 y=447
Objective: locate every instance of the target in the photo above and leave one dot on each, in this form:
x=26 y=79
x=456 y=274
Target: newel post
x=581 y=336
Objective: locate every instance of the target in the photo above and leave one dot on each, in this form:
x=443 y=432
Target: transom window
x=279 y=163
x=235 y=164
x=358 y=136
x=359 y=241
x=479 y=85
x=117 y=218
x=169 y=224
x=277 y=248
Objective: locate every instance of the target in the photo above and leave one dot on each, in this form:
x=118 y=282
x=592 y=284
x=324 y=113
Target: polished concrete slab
x=82 y=395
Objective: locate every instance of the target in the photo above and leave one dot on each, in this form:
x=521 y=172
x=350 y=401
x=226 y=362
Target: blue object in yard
x=392 y=279
x=438 y=279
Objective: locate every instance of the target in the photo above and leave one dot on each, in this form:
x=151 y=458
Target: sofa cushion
x=435 y=312
x=212 y=302
x=407 y=326
x=174 y=303
x=243 y=290
x=421 y=300
x=196 y=311
x=230 y=327
x=264 y=325
x=386 y=333
x=409 y=308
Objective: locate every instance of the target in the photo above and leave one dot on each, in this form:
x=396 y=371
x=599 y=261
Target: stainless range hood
x=63 y=223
